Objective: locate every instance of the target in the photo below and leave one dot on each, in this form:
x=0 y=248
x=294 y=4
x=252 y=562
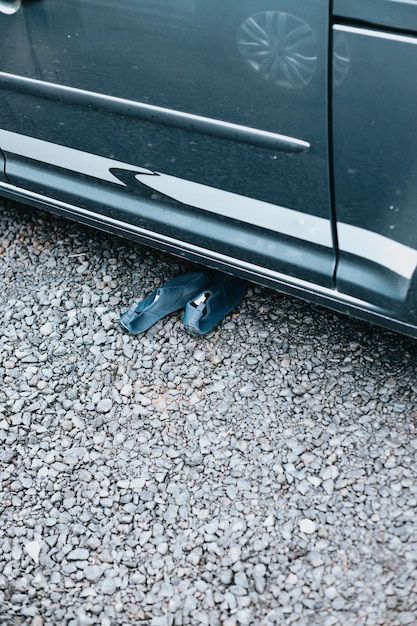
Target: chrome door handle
x=10 y=6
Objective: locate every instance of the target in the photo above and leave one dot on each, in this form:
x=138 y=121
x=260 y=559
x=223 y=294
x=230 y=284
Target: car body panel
x=171 y=98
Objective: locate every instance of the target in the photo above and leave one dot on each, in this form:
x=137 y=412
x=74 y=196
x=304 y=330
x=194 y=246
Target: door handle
x=10 y=6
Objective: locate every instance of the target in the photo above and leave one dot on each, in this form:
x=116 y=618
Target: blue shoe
x=206 y=310
x=166 y=299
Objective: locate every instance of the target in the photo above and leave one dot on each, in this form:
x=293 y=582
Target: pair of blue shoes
x=206 y=301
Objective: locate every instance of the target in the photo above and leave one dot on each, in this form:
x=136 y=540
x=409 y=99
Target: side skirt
x=332 y=299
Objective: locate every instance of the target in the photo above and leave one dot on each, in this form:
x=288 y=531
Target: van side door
x=200 y=126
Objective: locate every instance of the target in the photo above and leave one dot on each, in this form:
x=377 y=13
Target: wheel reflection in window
x=279 y=47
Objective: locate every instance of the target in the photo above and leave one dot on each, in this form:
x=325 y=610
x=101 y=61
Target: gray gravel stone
x=264 y=474
x=79 y=554
x=108 y=586
x=104 y=405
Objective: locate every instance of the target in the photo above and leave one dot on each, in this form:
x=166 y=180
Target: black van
x=272 y=139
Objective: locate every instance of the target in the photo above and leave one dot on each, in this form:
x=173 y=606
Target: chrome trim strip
x=154 y=114
x=379 y=34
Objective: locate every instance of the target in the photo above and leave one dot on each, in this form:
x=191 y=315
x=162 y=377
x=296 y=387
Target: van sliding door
x=199 y=125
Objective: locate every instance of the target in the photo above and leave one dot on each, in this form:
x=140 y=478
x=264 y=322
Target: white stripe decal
x=273 y=217
x=355 y=30
x=67 y=158
x=395 y=256
x=360 y=242
x=270 y=216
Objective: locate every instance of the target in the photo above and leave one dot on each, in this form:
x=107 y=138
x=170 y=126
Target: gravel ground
x=264 y=474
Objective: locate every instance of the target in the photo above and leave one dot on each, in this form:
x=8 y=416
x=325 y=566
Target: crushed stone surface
x=264 y=474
